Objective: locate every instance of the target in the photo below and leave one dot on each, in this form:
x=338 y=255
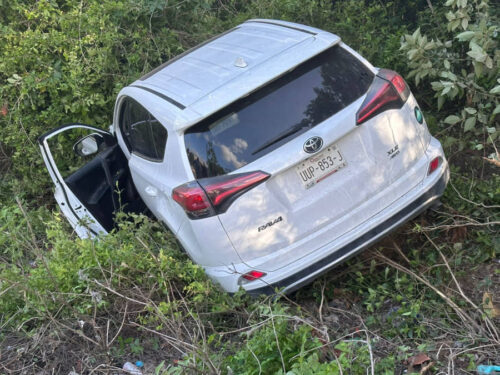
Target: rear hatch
x=301 y=129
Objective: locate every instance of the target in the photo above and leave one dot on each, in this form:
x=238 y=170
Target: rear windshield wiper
x=294 y=129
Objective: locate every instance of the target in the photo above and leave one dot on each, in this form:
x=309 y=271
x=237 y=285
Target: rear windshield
x=276 y=113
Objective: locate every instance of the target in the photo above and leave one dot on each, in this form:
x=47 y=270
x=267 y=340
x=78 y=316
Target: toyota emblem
x=313 y=144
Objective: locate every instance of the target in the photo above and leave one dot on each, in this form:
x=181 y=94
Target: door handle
x=151 y=191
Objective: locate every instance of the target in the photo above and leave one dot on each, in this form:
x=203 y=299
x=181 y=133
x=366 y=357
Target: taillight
x=252 y=275
x=193 y=199
x=388 y=91
x=434 y=164
x=211 y=196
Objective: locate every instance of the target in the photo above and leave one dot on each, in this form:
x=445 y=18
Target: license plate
x=320 y=166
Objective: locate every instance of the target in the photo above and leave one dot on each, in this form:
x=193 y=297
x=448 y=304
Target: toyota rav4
x=272 y=152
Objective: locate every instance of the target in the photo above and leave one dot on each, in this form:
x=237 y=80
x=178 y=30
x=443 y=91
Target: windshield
x=261 y=122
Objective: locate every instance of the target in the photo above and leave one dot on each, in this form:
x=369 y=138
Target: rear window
x=263 y=121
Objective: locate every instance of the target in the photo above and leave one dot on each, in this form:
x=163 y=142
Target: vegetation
x=464 y=76
x=424 y=300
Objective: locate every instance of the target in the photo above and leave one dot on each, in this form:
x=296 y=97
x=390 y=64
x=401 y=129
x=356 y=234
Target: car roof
x=217 y=72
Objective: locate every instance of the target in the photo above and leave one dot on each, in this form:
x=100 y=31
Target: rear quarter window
x=142 y=132
x=266 y=119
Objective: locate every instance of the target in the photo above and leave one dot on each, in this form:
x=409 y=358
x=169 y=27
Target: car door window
x=142 y=132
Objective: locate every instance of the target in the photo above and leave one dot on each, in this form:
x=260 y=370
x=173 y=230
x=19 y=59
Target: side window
x=142 y=133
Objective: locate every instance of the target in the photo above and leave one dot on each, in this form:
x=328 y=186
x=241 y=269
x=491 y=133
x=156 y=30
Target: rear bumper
x=312 y=271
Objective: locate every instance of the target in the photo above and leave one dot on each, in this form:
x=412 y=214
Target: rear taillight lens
x=211 y=196
x=193 y=199
x=252 y=276
x=434 y=164
x=388 y=91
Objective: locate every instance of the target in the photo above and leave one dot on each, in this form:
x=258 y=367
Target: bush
x=463 y=69
x=65 y=63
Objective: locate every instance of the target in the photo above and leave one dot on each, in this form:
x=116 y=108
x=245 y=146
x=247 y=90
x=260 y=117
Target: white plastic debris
x=132 y=369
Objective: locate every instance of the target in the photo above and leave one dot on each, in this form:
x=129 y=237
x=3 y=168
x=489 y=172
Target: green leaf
x=446 y=64
x=470 y=111
x=437 y=86
x=409 y=39
x=482 y=118
x=496 y=110
x=429 y=45
x=449 y=75
x=495 y=90
x=441 y=100
x=469 y=124
x=477 y=53
x=478 y=68
x=159 y=367
x=416 y=34
x=411 y=53
x=465 y=36
x=423 y=41
x=452 y=119
x=489 y=62
x=454 y=24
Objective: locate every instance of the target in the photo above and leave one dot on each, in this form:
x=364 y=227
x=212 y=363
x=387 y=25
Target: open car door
x=91 y=177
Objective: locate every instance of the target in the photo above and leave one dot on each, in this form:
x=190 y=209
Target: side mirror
x=88 y=145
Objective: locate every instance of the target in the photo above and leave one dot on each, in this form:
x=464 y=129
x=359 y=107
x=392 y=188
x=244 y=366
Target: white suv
x=272 y=152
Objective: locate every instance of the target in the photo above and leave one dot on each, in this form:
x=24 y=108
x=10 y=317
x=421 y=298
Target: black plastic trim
x=287 y=26
x=164 y=97
x=304 y=276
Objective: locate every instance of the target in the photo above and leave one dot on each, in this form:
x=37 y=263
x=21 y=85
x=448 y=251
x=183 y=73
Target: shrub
x=64 y=62
x=463 y=69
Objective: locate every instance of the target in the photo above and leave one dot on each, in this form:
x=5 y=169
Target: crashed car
x=272 y=152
